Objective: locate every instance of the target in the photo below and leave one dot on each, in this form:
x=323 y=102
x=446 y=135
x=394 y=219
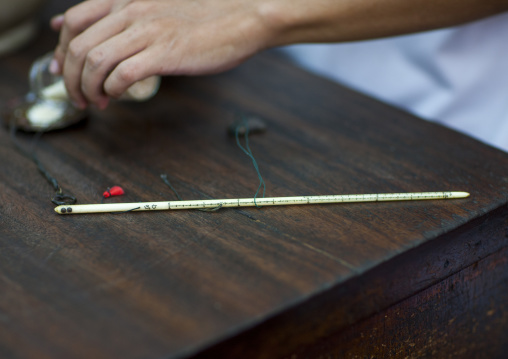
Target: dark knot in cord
x=60 y=199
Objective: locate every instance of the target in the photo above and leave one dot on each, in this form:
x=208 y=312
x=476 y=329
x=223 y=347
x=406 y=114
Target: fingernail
x=57 y=21
x=54 y=68
x=58 y=18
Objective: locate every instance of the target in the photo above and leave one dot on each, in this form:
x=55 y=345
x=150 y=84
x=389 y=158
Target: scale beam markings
x=249 y=202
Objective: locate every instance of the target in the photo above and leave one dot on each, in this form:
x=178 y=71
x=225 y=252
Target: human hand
x=107 y=45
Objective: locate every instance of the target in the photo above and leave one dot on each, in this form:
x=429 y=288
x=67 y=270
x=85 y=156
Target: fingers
x=108 y=45
x=75 y=21
x=88 y=48
x=57 y=22
x=129 y=71
x=102 y=60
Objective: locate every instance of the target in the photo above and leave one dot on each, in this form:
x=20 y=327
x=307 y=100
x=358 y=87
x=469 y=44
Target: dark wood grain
x=463 y=316
x=333 y=324
x=237 y=282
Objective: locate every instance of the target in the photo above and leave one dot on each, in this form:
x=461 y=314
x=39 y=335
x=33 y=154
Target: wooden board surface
x=171 y=284
x=463 y=316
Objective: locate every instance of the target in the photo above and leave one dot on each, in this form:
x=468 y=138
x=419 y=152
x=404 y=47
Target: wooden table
x=400 y=279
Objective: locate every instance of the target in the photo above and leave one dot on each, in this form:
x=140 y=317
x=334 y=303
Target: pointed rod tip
x=460 y=194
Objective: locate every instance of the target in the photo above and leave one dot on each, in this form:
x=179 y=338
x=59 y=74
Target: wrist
x=291 y=21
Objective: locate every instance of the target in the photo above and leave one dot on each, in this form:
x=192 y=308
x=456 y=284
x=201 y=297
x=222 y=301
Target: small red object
x=113 y=191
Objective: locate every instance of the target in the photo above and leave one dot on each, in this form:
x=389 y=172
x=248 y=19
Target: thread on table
x=241 y=125
x=248 y=152
x=127 y=211
x=164 y=178
x=59 y=198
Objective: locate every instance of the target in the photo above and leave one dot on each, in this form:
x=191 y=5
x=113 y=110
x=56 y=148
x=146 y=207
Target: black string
x=60 y=198
x=248 y=152
x=129 y=210
x=164 y=178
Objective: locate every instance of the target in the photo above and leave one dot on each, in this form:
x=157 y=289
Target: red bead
x=116 y=191
x=113 y=191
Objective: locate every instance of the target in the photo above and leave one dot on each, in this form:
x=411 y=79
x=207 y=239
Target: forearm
x=107 y=45
x=303 y=21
